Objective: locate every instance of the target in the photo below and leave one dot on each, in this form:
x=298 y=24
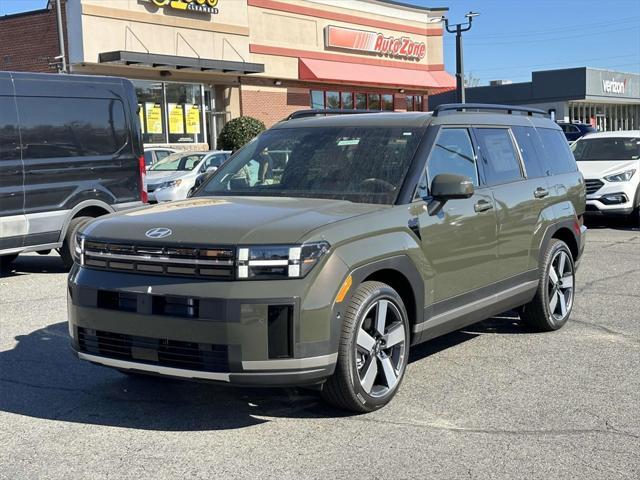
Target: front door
x=460 y=242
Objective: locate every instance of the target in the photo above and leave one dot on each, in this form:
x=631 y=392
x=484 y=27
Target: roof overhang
x=173 y=62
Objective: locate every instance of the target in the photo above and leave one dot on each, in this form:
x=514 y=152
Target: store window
x=170 y=112
x=414 y=103
x=321 y=99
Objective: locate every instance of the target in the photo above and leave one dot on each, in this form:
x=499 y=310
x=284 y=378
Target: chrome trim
x=174 y=372
x=145 y=258
x=291 y=363
x=476 y=305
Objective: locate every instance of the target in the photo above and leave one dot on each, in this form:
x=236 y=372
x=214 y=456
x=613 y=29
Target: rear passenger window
x=531 y=151
x=71 y=127
x=453 y=153
x=557 y=151
x=499 y=160
x=9 y=135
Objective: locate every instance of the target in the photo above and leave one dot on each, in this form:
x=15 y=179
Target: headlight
x=78 y=250
x=170 y=184
x=621 y=177
x=279 y=261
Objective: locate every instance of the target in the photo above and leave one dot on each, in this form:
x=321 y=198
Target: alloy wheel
x=560 y=286
x=381 y=348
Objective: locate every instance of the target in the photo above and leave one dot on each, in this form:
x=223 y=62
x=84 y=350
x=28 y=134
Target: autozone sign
x=614 y=86
x=374 y=42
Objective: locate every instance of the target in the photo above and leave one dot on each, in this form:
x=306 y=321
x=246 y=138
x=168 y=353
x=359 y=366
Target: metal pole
x=63 y=56
x=460 y=96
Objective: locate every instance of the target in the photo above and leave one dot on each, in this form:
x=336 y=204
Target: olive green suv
x=329 y=245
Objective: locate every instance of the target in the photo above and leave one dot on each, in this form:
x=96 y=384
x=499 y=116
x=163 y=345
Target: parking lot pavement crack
x=506 y=432
x=627 y=337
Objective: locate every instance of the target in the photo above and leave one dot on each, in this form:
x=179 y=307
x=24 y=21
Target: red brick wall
x=29 y=41
x=272 y=106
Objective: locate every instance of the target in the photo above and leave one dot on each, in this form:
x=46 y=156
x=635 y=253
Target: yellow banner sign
x=153 y=112
x=176 y=118
x=203 y=6
x=193 y=119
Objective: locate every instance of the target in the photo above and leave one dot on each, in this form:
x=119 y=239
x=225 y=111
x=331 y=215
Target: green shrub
x=238 y=132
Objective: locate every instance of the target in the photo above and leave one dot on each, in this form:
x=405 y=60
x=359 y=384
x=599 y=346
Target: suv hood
x=227 y=220
x=599 y=169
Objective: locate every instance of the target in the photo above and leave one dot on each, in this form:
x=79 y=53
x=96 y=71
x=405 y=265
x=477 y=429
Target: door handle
x=482 y=206
x=541 y=192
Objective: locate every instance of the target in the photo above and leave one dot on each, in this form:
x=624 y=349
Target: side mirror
x=445 y=187
x=212 y=168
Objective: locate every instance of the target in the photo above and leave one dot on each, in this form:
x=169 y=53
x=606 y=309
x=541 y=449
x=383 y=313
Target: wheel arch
x=88 y=208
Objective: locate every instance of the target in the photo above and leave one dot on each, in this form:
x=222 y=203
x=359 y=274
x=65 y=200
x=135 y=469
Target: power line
x=584 y=60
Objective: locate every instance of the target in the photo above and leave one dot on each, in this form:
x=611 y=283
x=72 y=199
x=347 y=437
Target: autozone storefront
x=374 y=55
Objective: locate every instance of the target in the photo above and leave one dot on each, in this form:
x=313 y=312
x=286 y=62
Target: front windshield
x=607 y=148
x=178 y=162
x=359 y=164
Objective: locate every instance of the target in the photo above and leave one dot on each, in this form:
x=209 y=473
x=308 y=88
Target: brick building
x=198 y=63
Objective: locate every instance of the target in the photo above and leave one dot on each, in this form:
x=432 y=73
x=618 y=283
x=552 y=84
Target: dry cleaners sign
x=202 y=6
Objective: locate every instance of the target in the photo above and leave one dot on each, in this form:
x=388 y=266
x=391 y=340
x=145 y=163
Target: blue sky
x=512 y=38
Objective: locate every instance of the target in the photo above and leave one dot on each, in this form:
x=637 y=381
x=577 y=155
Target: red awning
x=356 y=73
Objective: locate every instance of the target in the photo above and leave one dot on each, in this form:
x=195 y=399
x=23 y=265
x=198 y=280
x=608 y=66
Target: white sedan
x=173 y=177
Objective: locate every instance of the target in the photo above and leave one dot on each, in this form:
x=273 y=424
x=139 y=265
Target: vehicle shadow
x=612 y=223
x=40 y=377
x=34 y=263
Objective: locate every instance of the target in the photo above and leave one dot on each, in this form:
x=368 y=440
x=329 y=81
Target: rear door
x=12 y=220
x=460 y=242
x=519 y=200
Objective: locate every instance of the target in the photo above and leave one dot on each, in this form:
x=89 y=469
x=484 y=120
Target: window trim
x=353 y=92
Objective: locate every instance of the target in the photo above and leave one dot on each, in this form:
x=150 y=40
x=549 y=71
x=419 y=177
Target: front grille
x=593 y=186
x=176 y=261
x=167 y=353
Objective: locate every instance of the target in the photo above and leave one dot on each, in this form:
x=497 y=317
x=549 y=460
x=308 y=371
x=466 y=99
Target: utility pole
x=458 y=29
x=62 y=67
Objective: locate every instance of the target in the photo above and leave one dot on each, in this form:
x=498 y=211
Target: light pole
x=458 y=29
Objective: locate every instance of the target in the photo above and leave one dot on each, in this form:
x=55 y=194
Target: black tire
x=5 y=262
x=344 y=389
x=538 y=313
x=66 y=252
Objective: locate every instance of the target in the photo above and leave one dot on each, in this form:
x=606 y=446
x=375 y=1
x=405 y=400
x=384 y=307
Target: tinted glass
x=366 y=165
x=387 y=102
x=499 y=159
x=452 y=153
x=152 y=113
x=215 y=160
x=417 y=103
x=333 y=100
x=148 y=158
x=317 y=99
x=613 y=148
x=9 y=135
x=557 y=151
x=160 y=154
x=374 y=101
x=409 y=103
x=347 y=100
x=531 y=151
x=71 y=127
x=361 y=101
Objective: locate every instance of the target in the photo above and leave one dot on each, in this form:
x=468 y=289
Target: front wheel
x=69 y=244
x=550 y=308
x=373 y=350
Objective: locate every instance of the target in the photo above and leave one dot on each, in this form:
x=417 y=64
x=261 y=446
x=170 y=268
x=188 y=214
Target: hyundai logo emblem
x=158 y=232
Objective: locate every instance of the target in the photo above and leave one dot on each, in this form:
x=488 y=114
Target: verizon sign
x=374 y=42
x=614 y=86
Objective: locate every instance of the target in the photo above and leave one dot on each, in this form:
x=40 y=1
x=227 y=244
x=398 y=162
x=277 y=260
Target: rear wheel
x=373 y=350
x=551 y=307
x=69 y=244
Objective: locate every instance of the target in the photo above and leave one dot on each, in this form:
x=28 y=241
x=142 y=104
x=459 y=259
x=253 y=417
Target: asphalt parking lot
x=492 y=401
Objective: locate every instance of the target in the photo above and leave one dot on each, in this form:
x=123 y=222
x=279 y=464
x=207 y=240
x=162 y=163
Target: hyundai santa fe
x=323 y=267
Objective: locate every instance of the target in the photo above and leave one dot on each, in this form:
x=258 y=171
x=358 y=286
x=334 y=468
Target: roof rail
x=318 y=112
x=459 y=107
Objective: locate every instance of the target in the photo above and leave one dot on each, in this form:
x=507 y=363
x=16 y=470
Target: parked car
x=573 y=131
x=610 y=163
x=155 y=154
x=69 y=153
x=173 y=177
x=381 y=231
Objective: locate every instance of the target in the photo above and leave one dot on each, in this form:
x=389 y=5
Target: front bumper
x=601 y=201
x=195 y=329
